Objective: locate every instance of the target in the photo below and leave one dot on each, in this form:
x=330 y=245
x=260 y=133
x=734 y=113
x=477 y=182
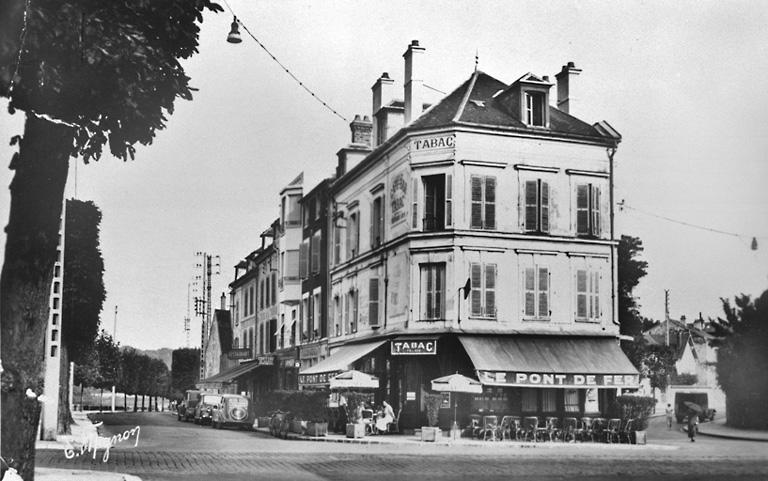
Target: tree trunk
x=81 y=396
x=149 y=409
x=142 y=402
x=37 y=193
x=125 y=402
x=64 y=414
x=135 y=401
x=101 y=397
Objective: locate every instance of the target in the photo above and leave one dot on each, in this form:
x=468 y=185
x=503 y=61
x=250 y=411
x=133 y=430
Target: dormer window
x=534 y=108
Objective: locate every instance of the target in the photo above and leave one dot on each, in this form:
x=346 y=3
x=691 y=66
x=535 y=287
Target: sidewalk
x=82 y=431
x=410 y=439
x=718 y=429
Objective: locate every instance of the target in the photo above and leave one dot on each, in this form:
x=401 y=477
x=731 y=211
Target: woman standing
x=693 y=420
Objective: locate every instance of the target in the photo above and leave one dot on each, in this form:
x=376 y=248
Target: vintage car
x=186 y=408
x=204 y=410
x=232 y=410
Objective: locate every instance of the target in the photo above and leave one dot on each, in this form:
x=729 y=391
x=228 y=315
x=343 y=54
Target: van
x=682 y=411
x=186 y=409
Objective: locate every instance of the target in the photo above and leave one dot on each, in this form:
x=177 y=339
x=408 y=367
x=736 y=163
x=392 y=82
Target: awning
x=550 y=361
x=231 y=373
x=321 y=373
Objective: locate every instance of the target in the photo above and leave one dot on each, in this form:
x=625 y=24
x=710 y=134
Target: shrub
x=633 y=407
x=685 y=379
x=432 y=402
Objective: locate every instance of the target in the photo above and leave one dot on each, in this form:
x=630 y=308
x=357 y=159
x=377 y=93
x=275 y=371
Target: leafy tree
x=657 y=363
x=83 y=293
x=109 y=362
x=742 y=360
x=87 y=73
x=185 y=369
x=630 y=270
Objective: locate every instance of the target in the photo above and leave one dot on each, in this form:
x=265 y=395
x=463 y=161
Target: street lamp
x=234 y=32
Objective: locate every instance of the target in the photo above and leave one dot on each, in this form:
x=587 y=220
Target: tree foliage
x=109 y=360
x=743 y=360
x=185 y=369
x=84 y=292
x=630 y=270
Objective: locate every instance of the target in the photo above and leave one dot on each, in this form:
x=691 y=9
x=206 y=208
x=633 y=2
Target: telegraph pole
x=666 y=317
x=203 y=303
x=186 y=319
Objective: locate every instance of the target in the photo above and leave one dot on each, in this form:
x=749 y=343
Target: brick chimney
x=223 y=302
x=361 y=130
x=383 y=93
x=414 y=82
x=567 y=94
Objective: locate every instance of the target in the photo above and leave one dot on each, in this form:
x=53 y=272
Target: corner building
x=475 y=235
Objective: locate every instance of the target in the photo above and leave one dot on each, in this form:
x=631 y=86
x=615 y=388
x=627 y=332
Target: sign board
x=398 y=191
x=410 y=396
x=242 y=353
x=413 y=347
x=558 y=379
x=432 y=143
x=322 y=378
x=265 y=360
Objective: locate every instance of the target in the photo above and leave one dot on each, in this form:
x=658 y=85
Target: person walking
x=693 y=420
x=670 y=416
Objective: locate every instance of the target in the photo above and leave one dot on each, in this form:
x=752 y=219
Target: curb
x=728 y=436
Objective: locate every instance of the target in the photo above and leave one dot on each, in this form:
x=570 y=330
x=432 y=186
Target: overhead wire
x=291 y=74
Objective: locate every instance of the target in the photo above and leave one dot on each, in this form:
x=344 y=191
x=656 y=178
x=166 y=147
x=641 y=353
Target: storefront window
x=549 y=400
x=571 y=401
x=529 y=401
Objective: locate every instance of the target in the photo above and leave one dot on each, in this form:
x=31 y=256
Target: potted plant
x=316 y=413
x=639 y=409
x=354 y=404
x=432 y=403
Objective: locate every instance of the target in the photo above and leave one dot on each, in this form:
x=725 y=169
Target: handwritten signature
x=92 y=444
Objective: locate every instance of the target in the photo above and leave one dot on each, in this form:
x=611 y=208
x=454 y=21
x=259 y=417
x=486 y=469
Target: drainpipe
x=386 y=285
x=611 y=151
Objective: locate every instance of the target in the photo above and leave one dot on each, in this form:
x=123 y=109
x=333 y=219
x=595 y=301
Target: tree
x=109 y=362
x=83 y=293
x=185 y=369
x=742 y=360
x=87 y=73
x=630 y=270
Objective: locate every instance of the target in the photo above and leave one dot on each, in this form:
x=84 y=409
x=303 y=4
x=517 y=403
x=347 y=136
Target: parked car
x=186 y=408
x=204 y=410
x=232 y=410
x=700 y=398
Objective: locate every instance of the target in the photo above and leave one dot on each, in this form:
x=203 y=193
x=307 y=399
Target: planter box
x=430 y=434
x=298 y=427
x=355 y=430
x=317 y=429
x=640 y=437
x=263 y=421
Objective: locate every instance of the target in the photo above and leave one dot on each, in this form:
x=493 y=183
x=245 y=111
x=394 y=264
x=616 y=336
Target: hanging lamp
x=234 y=32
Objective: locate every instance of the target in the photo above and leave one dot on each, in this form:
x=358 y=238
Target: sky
x=682 y=81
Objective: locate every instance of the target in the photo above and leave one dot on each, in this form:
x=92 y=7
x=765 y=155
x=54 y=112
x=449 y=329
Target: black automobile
x=186 y=408
x=204 y=410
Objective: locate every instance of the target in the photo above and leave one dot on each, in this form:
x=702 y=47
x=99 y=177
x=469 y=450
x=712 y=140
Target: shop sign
x=265 y=360
x=321 y=378
x=430 y=143
x=397 y=196
x=242 y=353
x=552 y=379
x=413 y=347
x=410 y=396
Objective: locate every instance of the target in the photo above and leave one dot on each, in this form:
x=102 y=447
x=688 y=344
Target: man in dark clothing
x=693 y=420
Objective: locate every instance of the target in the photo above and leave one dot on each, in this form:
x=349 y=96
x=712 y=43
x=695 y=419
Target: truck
x=186 y=408
x=700 y=398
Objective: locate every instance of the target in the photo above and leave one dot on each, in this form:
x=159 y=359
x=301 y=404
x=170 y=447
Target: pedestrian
x=693 y=420
x=670 y=415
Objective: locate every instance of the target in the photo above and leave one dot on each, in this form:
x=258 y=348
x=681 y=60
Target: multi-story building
x=476 y=236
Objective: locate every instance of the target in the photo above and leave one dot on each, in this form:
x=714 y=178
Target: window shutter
x=373 y=302
x=303 y=261
x=595 y=211
x=475 y=276
x=490 y=202
x=315 y=250
x=356 y=238
x=531 y=194
x=429 y=291
x=543 y=292
x=415 y=206
x=582 y=209
x=530 y=291
x=490 y=290
x=439 y=291
x=336 y=244
x=476 y=221
x=380 y=221
x=348 y=238
x=448 y=200
x=544 y=207
x=581 y=294
x=347 y=319
x=372 y=226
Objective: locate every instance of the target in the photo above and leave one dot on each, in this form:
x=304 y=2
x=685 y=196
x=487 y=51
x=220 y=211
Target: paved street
x=171 y=450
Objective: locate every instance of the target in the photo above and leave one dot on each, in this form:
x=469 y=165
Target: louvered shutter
x=582 y=209
x=303 y=260
x=336 y=244
x=373 y=302
x=543 y=291
x=531 y=195
x=429 y=292
x=476 y=221
x=595 y=211
x=530 y=292
x=544 y=206
x=415 y=203
x=448 y=200
x=490 y=290
x=490 y=203
x=581 y=294
x=475 y=276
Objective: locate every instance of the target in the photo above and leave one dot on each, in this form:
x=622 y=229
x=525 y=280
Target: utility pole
x=203 y=303
x=186 y=319
x=666 y=317
x=114 y=327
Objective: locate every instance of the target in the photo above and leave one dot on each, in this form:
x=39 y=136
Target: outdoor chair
x=626 y=431
x=394 y=426
x=584 y=429
x=530 y=427
x=370 y=427
x=475 y=425
x=552 y=430
x=612 y=430
x=491 y=428
x=505 y=428
x=571 y=430
x=597 y=429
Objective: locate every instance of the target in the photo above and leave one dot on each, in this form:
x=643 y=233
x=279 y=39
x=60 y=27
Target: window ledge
x=588 y=321
x=483 y=318
x=537 y=319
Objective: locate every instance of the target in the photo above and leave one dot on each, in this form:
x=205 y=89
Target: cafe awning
x=550 y=361
x=342 y=359
x=231 y=373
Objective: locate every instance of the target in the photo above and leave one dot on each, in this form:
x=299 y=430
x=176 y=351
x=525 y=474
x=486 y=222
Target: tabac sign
x=414 y=347
x=433 y=143
x=558 y=380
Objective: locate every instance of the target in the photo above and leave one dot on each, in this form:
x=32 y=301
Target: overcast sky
x=684 y=82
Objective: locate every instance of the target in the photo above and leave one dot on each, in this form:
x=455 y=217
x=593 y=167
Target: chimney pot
x=567 y=91
x=385 y=75
x=414 y=81
x=546 y=78
x=571 y=65
x=415 y=43
x=361 y=131
x=357 y=116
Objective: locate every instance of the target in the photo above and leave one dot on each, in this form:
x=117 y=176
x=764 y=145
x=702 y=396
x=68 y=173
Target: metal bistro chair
x=570 y=431
x=530 y=427
x=491 y=428
x=394 y=426
x=598 y=428
x=626 y=431
x=552 y=429
x=612 y=431
x=505 y=428
x=474 y=428
x=584 y=429
x=368 y=421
